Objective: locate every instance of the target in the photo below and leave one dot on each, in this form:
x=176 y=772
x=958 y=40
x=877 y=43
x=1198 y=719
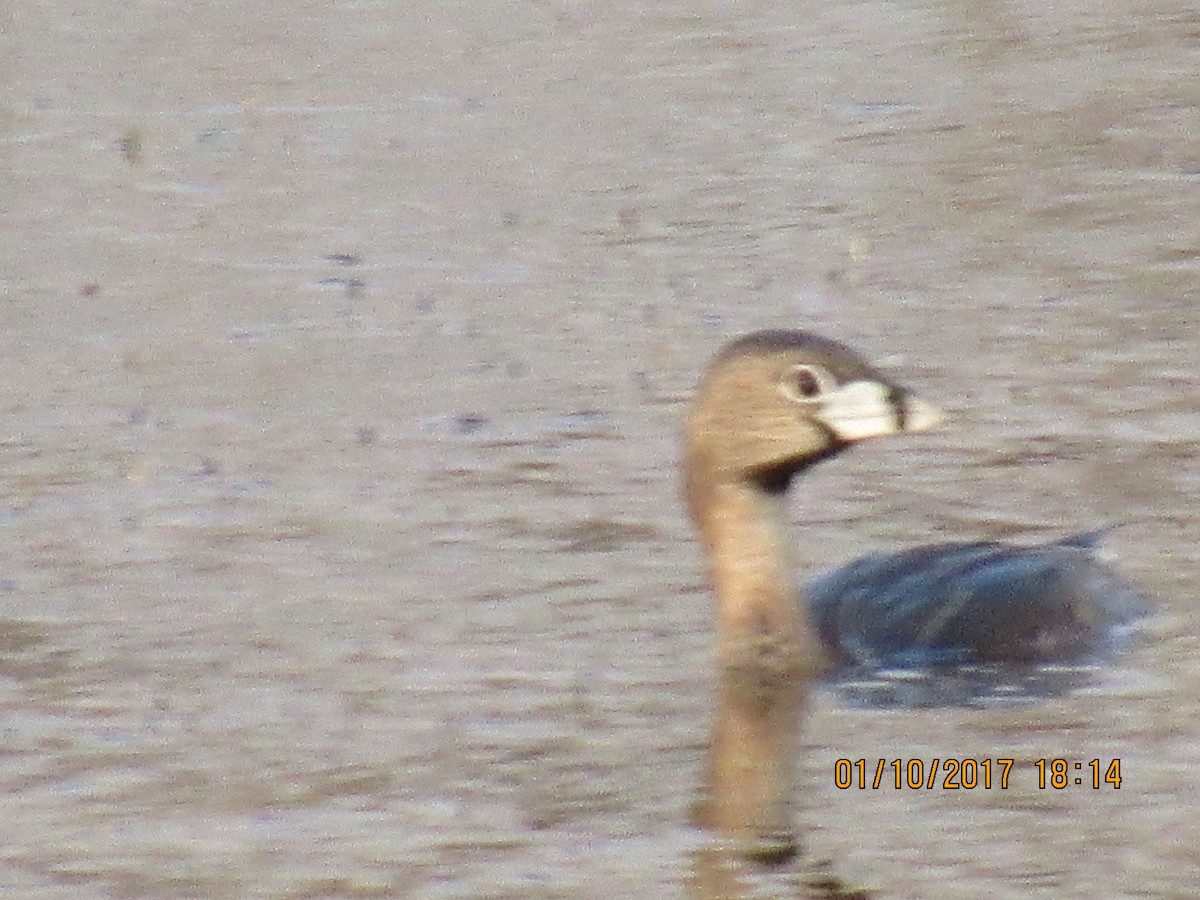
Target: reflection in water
x=752 y=761
x=717 y=874
x=755 y=751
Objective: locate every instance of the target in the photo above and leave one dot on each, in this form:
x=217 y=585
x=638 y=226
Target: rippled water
x=346 y=351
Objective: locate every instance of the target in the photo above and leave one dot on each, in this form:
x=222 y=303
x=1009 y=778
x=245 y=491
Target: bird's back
x=959 y=603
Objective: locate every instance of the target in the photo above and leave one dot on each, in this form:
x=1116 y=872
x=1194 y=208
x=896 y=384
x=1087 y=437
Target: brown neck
x=760 y=622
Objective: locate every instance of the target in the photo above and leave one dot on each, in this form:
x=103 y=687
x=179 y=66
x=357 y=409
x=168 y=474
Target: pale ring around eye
x=804 y=383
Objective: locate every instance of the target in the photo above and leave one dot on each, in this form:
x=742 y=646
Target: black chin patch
x=775 y=479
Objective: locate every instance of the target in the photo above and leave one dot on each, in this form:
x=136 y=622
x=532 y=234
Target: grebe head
x=775 y=402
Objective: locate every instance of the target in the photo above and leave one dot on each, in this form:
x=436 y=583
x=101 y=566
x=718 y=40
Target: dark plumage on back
x=974 y=603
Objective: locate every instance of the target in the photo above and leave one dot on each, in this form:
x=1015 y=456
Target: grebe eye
x=805 y=382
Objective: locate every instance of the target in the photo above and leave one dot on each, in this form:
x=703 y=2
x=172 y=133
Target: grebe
x=775 y=403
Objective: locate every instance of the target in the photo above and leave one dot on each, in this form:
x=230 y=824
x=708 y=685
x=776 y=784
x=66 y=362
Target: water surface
x=346 y=352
